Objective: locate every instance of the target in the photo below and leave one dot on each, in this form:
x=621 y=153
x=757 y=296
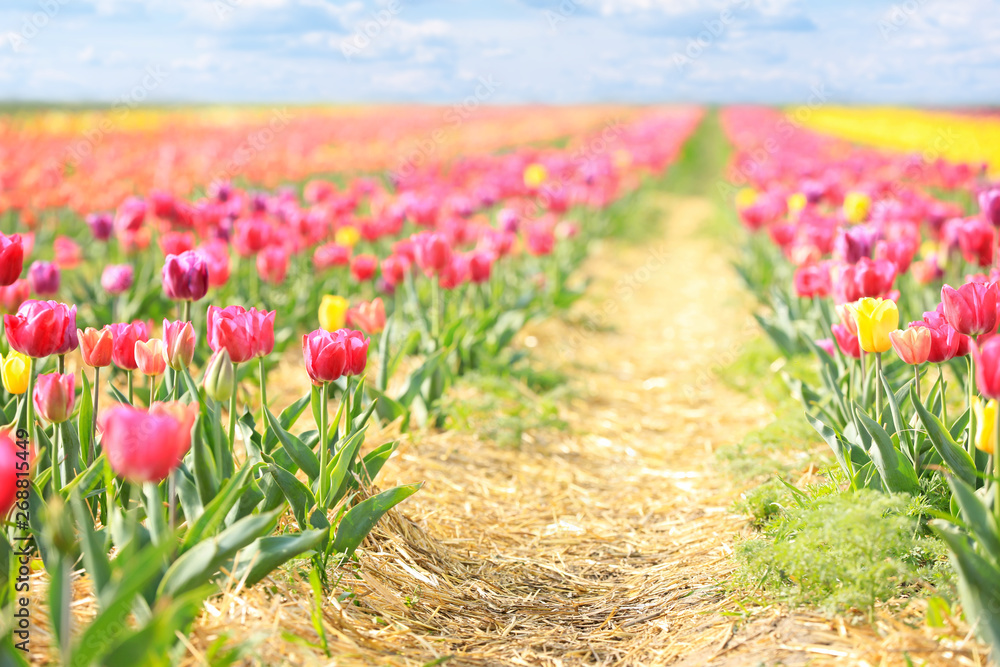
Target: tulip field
x=233 y=337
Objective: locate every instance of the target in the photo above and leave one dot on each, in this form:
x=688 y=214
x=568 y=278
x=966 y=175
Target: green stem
x=31 y=401
x=436 y=312
x=324 y=450
x=878 y=387
x=944 y=401
x=93 y=422
x=996 y=464
x=57 y=475
x=972 y=388
x=916 y=379
x=61 y=364
x=232 y=415
x=131 y=396
x=263 y=403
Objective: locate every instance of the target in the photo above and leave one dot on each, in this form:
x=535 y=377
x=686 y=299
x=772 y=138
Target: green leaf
x=268 y=553
x=303 y=457
x=206 y=474
x=956 y=457
x=978 y=582
x=298 y=495
x=360 y=520
x=215 y=512
x=86 y=421
x=977 y=516
x=340 y=466
x=896 y=473
x=201 y=563
x=377 y=458
x=93 y=546
x=841 y=449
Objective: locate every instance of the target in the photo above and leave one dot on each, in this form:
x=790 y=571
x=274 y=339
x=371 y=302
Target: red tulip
x=151 y=356
x=330 y=255
x=847 y=342
x=216 y=255
x=480 y=266
x=363 y=267
x=272 y=264
x=44 y=278
x=252 y=235
x=945 y=341
x=123 y=348
x=432 y=251
x=243 y=334
x=146 y=446
x=68 y=253
x=540 y=239
x=975 y=238
x=972 y=308
x=42 y=328
x=185 y=276
x=357 y=351
x=325 y=356
x=988 y=367
x=117 y=278
x=130 y=215
x=176 y=243
x=867 y=278
x=8 y=473
x=813 y=281
x=180 y=343
x=12 y=296
x=11 y=259
x=368 y=316
x=96 y=346
x=913 y=345
x=54 y=396
x=394 y=268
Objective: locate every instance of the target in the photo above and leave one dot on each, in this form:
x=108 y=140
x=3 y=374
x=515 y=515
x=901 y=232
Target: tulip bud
x=913 y=345
x=117 y=278
x=875 y=319
x=43 y=278
x=54 y=396
x=96 y=346
x=151 y=356
x=14 y=372
x=11 y=259
x=185 y=276
x=220 y=377
x=986 y=422
x=180 y=340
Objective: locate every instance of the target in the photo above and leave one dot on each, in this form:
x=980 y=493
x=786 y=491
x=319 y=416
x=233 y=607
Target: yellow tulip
x=745 y=197
x=14 y=372
x=332 y=311
x=348 y=236
x=535 y=174
x=876 y=319
x=856 y=206
x=986 y=422
x=796 y=202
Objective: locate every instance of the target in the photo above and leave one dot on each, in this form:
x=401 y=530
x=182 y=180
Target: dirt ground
x=605 y=543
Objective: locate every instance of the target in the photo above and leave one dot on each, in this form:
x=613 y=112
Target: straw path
x=609 y=543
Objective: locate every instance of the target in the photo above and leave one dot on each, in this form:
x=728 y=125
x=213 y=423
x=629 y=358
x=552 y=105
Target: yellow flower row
x=933 y=134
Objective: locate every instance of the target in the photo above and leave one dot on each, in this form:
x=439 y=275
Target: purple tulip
x=185 y=276
x=101 y=225
x=856 y=242
x=43 y=278
x=989 y=204
x=117 y=278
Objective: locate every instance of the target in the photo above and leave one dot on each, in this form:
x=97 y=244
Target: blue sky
x=933 y=52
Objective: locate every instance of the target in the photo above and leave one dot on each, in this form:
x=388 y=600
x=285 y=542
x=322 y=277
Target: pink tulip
x=54 y=396
x=180 y=343
x=146 y=446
